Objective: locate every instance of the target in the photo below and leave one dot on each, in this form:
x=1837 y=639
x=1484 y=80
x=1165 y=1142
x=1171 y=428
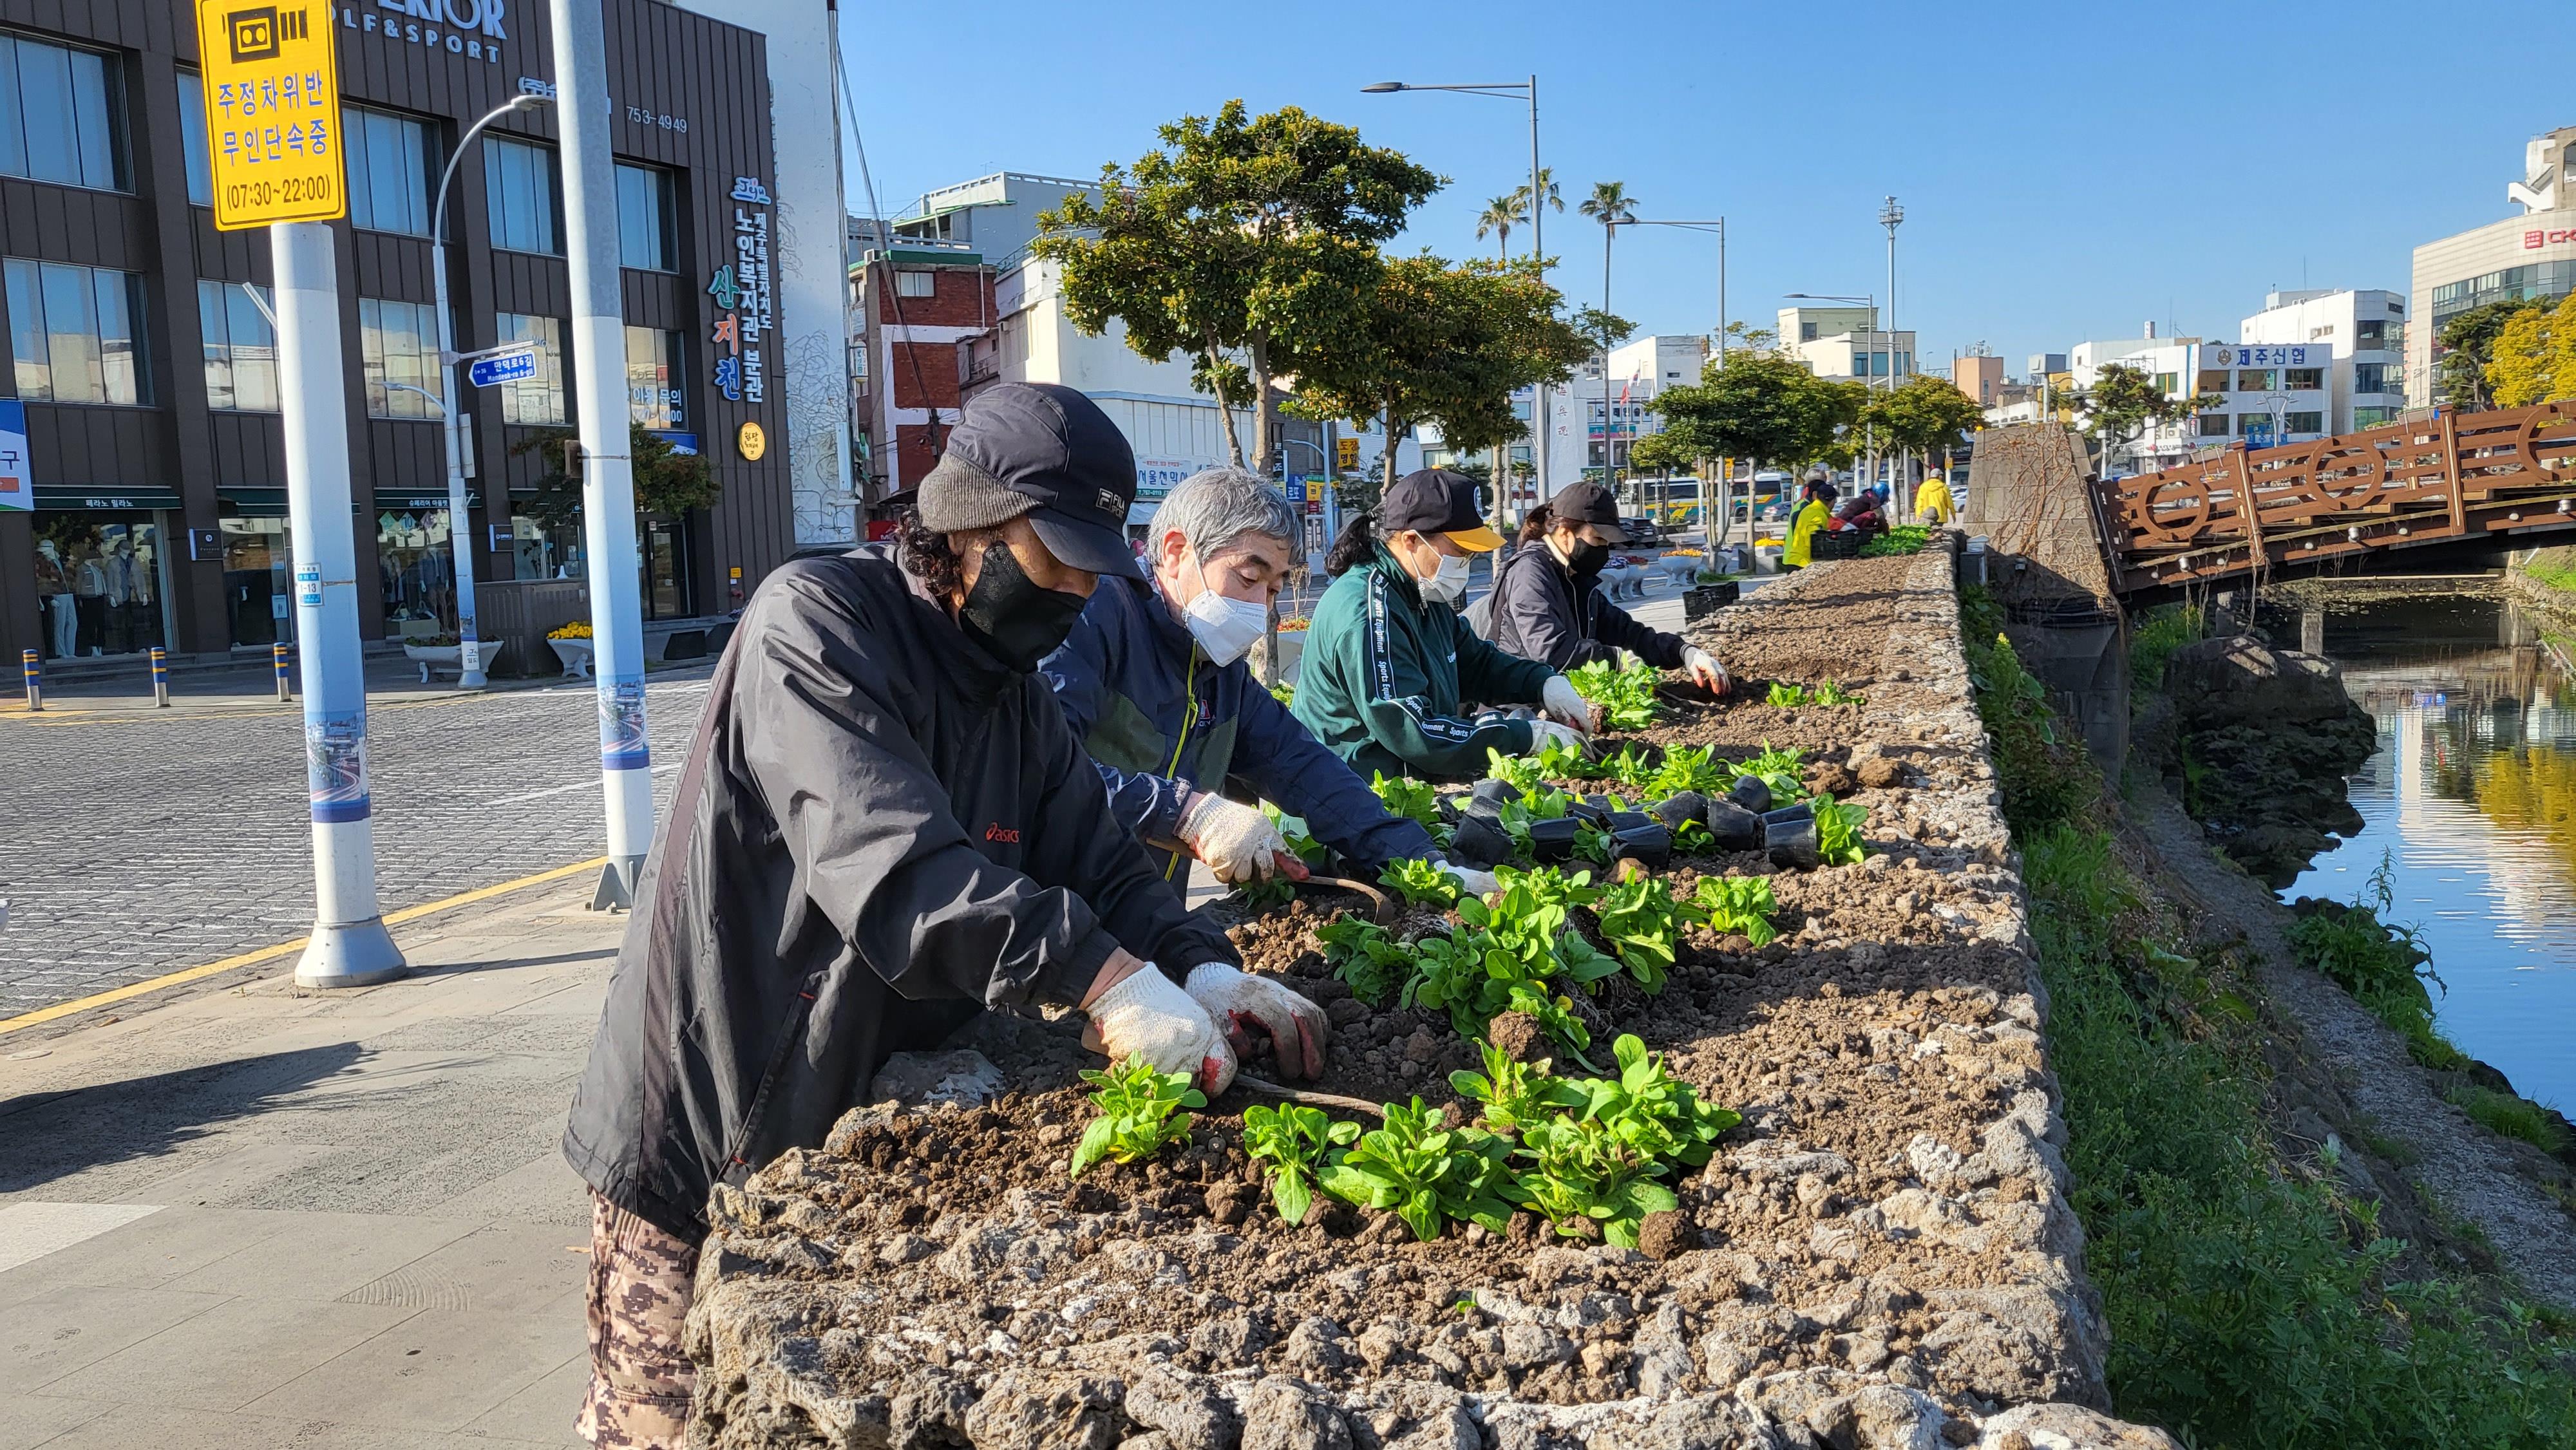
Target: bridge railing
x=2458 y=475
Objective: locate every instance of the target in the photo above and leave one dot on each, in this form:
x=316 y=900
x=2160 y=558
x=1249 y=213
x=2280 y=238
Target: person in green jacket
x=1390 y=669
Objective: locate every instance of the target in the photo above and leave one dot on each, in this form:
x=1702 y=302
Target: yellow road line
x=272 y=953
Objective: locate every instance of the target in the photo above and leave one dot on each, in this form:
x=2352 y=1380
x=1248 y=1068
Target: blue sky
x=2067 y=170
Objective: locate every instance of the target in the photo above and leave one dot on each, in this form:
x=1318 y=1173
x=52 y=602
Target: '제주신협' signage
x=272 y=112
x=743 y=289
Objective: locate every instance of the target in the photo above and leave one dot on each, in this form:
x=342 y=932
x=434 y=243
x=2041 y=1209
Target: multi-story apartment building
x=2530 y=256
x=2363 y=329
x=143 y=357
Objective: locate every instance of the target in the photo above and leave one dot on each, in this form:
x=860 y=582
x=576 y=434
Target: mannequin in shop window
x=89 y=593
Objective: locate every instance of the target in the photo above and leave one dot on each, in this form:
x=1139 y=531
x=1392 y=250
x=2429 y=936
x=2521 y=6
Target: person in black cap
x=1389 y=666
x=1548 y=603
x=883 y=826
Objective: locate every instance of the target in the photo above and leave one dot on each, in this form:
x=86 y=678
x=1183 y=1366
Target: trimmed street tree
x=2465 y=345
x=1248 y=244
x=1765 y=407
x=2124 y=401
x=1927 y=415
x=1444 y=345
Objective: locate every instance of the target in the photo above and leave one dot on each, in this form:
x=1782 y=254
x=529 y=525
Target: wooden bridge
x=2456 y=477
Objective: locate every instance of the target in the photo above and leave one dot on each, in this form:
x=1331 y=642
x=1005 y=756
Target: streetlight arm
x=1482 y=88
x=522 y=102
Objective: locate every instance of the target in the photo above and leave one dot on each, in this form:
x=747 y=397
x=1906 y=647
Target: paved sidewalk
x=264 y=1217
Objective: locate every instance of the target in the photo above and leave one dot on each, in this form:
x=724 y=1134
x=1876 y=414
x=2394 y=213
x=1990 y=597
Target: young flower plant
x=1427 y=1174
x=1625 y=695
x=1740 y=905
x=1420 y=882
x=1139 y=1113
x=1516 y=1095
x=1291 y=1140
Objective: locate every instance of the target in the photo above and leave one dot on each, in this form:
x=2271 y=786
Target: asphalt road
x=139 y=842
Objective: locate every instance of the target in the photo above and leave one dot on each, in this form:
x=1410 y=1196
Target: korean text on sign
x=272 y=112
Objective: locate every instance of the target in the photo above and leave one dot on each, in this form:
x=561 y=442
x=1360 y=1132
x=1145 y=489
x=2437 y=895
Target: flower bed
x=1877 y=1254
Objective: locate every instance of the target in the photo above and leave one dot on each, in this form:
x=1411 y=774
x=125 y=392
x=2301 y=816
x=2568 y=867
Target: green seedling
x=1690 y=838
x=1831 y=692
x=1376 y=966
x=1139 y=1113
x=1625 y=695
x=1291 y=1140
x=1284 y=692
x=1405 y=796
x=1786 y=696
x=1516 y=1094
x=1592 y=843
x=1838 y=840
x=1420 y=882
x=1687 y=767
x=1428 y=1175
x=1902 y=539
x=1655 y=1113
x=1578 y=1173
x=1642 y=923
x=1523 y=773
x=1738 y=904
x=1293 y=829
x=1776 y=768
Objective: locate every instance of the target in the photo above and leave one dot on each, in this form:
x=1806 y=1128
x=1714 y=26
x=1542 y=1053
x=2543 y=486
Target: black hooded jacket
x=878 y=830
x=1545 y=611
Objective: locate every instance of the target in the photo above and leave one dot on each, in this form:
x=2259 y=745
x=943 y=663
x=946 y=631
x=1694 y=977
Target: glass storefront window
x=258 y=568
x=653 y=379
x=100 y=588
x=538 y=399
x=666 y=569
x=538 y=552
x=416 y=570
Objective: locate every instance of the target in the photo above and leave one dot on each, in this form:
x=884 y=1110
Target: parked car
x=1642 y=530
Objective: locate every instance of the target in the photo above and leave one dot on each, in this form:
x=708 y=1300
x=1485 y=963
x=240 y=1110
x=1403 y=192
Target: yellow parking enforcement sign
x=272 y=111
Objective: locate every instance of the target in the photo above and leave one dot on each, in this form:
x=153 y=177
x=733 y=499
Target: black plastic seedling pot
x=1480 y=841
x=1734 y=827
x=1495 y=792
x=1672 y=810
x=1750 y=793
x=1629 y=820
x=1790 y=836
x=1593 y=808
x=1649 y=845
x=1554 y=840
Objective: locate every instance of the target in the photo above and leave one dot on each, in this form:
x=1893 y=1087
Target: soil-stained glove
x=1704 y=668
x=1543 y=732
x=1297 y=1027
x=1237 y=841
x=1566 y=704
x=1146 y=1013
x=1470 y=880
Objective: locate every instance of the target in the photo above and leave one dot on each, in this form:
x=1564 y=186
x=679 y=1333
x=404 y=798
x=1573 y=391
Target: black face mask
x=1015 y=620
x=1587 y=557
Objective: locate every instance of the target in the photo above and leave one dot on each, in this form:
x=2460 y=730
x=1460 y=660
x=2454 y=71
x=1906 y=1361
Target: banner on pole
x=272 y=84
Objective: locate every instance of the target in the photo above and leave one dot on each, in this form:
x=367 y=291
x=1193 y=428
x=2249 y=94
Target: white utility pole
x=349 y=946
x=1890 y=216
x=608 y=466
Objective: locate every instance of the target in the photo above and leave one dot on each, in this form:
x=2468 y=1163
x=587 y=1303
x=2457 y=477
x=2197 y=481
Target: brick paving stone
x=135 y=846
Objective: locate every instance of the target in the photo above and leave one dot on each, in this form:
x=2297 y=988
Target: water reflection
x=2472 y=798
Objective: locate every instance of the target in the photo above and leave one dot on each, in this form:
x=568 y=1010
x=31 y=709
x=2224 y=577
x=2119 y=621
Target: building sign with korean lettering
x=2280 y=355
x=747 y=298
x=272 y=112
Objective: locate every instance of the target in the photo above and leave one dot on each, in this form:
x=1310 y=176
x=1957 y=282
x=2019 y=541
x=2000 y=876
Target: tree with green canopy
x=2123 y=402
x=1763 y=406
x=668 y=482
x=1444 y=345
x=1926 y=415
x=2464 y=347
x=1247 y=243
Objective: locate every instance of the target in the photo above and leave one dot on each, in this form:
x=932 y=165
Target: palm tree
x=1547 y=184
x=1611 y=206
x=1501 y=215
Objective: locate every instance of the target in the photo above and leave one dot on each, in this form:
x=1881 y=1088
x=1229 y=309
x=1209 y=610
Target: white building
x=2269 y=393
x=2365 y=329
x=1591 y=420
x=1845 y=344
x=2527 y=257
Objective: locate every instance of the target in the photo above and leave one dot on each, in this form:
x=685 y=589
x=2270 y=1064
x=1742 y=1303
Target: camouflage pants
x=640 y=1283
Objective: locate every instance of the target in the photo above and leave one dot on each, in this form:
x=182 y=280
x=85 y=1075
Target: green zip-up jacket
x=1387 y=674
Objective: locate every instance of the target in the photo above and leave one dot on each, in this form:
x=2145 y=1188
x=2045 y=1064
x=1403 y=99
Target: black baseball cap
x=1044 y=452
x=1589 y=503
x=1436 y=501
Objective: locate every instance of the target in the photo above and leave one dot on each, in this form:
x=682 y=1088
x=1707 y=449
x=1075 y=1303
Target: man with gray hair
x=1153 y=681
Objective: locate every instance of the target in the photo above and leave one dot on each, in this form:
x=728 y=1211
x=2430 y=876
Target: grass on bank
x=2252 y=1301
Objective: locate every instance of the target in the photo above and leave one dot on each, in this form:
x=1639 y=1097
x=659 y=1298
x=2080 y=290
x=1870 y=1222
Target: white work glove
x=1146 y=1014
x=1543 y=731
x=1704 y=668
x=1471 y=881
x=1237 y=841
x=1237 y=999
x=1565 y=703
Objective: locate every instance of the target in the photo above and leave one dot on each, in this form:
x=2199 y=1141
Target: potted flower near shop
x=571 y=644
x=426 y=650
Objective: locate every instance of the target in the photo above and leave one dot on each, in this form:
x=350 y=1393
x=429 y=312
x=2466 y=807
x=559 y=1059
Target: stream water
x=2471 y=800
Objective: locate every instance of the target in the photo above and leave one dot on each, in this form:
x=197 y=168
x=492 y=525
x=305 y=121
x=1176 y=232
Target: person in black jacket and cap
x=1548 y=604
x=883 y=826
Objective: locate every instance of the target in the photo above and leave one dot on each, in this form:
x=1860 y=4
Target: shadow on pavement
x=53 y=1135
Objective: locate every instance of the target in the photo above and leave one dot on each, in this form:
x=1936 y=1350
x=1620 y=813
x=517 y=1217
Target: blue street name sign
x=509 y=367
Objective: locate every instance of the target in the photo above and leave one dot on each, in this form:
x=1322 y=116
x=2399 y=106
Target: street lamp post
x=1717 y=226
x=1869 y=373
x=460 y=525
x=1889 y=216
x=1538 y=245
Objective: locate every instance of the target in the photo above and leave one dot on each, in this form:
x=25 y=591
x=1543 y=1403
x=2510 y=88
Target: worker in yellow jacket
x=1817 y=513
x=1932 y=501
